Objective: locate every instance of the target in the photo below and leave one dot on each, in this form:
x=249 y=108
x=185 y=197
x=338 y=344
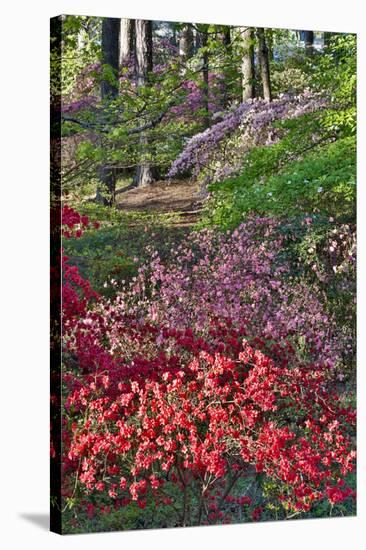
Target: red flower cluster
x=74 y=223
x=147 y=406
x=76 y=291
x=212 y=417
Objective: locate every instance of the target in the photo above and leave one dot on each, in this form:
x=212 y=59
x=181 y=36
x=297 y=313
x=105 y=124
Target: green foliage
x=323 y=182
x=291 y=80
x=128 y=516
x=80 y=48
x=112 y=254
x=336 y=76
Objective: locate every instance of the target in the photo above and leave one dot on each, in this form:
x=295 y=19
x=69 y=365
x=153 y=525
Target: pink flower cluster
x=239 y=276
x=252 y=122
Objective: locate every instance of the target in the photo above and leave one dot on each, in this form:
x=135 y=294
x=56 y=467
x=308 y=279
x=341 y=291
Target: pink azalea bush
x=238 y=276
x=221 y=147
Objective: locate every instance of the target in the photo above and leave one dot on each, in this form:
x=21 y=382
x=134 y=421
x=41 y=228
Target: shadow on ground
x=40 y=520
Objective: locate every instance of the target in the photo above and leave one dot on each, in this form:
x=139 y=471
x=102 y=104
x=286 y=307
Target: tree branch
x=137 y=130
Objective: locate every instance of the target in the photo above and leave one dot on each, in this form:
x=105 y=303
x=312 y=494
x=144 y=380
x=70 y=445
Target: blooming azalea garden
x=208 y=368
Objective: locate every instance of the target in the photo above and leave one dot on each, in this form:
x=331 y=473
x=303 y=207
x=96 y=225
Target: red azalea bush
x=76 y=292
x=149 y=405
x=215 y=417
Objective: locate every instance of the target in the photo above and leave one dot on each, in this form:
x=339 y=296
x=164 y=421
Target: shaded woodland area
x=133 y=92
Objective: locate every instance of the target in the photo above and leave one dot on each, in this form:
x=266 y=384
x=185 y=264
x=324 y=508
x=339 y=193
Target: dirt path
x=183 y=198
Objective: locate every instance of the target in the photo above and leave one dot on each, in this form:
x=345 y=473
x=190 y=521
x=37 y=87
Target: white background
x=25 y=281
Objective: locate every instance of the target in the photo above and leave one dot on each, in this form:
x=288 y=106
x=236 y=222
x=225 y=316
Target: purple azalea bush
x=223 y=145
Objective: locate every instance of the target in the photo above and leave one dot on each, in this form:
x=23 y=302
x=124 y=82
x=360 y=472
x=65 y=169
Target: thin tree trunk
x=127 y=38
x=109 y=91
x=144 y=64
x=226 y=42
x=185 y=495
x=264 y=64
x=197 y=40
x=186 y=42
x=174 y=37
x=247 y=66
x=270 y=44
x=226 y=36
x=106 y=193
x=205 y=79
x=309 y=43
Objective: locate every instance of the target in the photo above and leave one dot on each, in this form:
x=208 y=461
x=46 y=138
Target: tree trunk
x=197 y=40
x=264 y=64
x=109 y=90
x=225 y=36
x=186 y=42
x=270 y=44
x=205 y=91
x=127 y=38
x=327 y=38
x=174 y=37
x=106 y=193
x=144 y=64
x=110 y=55
x=144 y=59
x=247 y=66
x=309 y=42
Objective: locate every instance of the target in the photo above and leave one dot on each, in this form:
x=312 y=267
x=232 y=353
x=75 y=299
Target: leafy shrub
x=325 y=252
x=289 y=80
x=336 y=77
x=323 y=182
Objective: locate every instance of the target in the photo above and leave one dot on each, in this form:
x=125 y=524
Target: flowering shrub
x=76 y=291
x=327 y=254
x=194 y=99
x=289 y=80
x=79 y=105
x=329 y=250
x=199 y=403
x=214 y=418
x=242 y=276
x=254 y=121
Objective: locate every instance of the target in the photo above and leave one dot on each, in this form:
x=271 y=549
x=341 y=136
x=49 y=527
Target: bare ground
x=181 y=197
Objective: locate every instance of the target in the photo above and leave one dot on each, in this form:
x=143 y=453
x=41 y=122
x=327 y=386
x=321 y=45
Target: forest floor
x=183 y=198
